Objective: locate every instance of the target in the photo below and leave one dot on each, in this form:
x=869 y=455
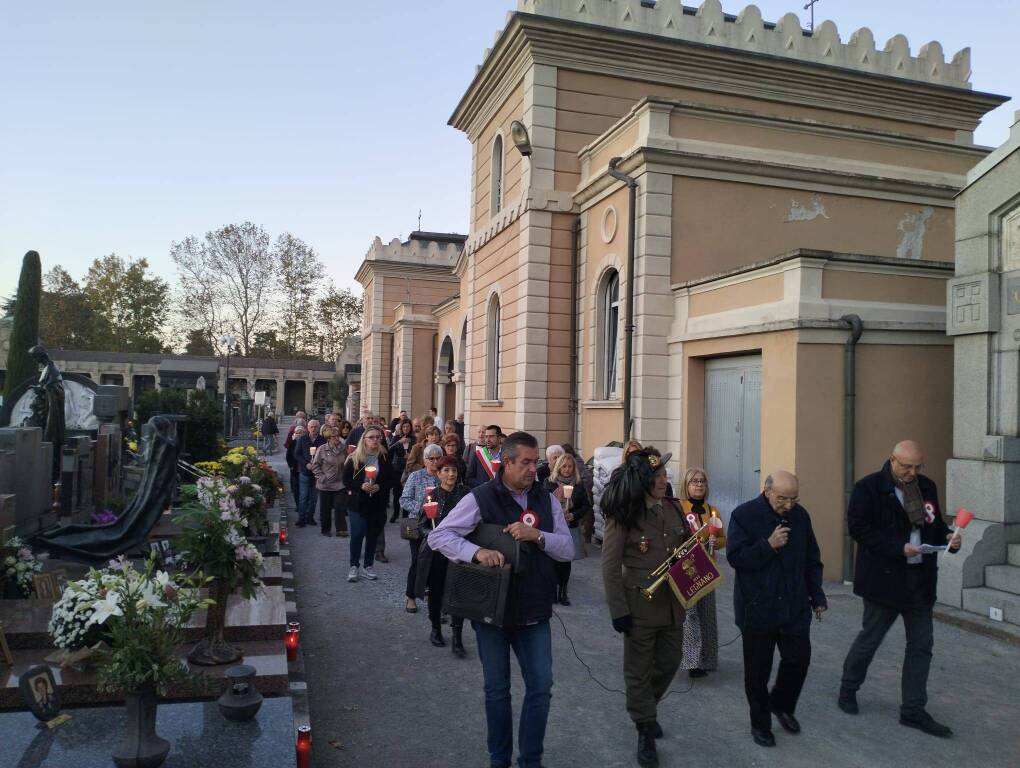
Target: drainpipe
x=573 y=407
x=628 y=346
x=853 y=322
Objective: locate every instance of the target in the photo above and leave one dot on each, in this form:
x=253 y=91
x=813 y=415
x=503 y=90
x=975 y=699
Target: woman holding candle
x=445 y=496
x=401 y=443
x=416 y=493
x=701 y=628
x=368 y=478
x=565 y=484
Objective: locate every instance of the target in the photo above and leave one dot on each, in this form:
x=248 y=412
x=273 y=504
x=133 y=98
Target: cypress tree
x=25 y=333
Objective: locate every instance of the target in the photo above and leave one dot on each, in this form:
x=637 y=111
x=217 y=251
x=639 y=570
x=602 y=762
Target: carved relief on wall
x=1011 y=240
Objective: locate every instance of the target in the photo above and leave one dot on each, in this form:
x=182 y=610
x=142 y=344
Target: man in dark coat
x=480 y=469
x=772 y=548
x=893 y=513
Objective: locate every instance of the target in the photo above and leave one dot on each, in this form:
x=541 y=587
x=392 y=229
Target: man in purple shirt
x=533 y=517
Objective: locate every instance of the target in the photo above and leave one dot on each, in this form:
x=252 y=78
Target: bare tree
x=340 y=313
x=228 y=279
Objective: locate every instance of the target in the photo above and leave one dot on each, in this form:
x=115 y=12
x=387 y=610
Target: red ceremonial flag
x=963 y=517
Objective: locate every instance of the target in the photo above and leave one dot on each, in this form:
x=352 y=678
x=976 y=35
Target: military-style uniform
x=654 y=646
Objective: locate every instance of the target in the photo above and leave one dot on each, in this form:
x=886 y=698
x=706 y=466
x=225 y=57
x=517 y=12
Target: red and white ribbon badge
x=529 y=518
x=929 y=512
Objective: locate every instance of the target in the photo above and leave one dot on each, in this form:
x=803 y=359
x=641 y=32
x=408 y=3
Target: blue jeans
x=533 y=647
x=361 y=536
x=306 y=506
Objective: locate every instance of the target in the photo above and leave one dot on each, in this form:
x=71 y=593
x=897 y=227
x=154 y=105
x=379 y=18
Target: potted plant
x=19 y=566
x=214 y=544
x=137 y=619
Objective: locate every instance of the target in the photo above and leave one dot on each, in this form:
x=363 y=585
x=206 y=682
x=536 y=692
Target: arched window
x=496 y=176
x=608 y=333
x=492 y=351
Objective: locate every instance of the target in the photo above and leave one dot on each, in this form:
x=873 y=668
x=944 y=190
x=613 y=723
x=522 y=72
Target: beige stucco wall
x=720 y=225
x=481 y=153
x=424 y=366
x=841 y=284
x=761 y=290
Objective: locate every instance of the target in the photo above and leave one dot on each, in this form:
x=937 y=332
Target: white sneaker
x=368 y=573
x=352 y=575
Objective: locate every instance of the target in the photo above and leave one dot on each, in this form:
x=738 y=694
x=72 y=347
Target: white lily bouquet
x=132 y=620
x=20 y=565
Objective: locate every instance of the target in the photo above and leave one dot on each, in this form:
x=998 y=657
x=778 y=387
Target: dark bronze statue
x=50 y=389
x=97 y=543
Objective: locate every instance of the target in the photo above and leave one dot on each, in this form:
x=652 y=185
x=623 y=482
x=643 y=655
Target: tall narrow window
x=496 y=173
x=492 y=343
x=609 y=311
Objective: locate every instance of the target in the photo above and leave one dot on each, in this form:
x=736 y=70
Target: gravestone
x=983 y=317
x=107 y=482
x=25 y=471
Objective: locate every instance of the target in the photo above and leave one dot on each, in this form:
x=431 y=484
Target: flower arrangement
x=212 y=467
x=214 y=537
x=244 y=461
x=138 y=616
x=20 y=565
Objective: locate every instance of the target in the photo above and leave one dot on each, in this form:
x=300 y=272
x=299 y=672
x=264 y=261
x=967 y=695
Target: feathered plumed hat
x=623 y=499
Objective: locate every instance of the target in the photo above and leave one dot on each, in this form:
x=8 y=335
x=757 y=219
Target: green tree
x=199 y=343
x=339 y=312
x=25 y=333
x=299 y=270
x=66 y=319
x=134 y=304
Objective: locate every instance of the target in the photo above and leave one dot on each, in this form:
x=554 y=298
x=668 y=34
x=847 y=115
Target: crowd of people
x=419 y=472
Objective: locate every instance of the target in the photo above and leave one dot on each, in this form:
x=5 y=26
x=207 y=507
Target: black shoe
x=697 y=672
x=326 y=533
x=647 y=755
x=381 y=558
x=393 y=519
x=848 y=701
x=657 y=730
x=763 y=738
x=313 y=522
x=564 y=600
x=925 y=722
x=788 y=721
x=436 y=638
x=457 y=644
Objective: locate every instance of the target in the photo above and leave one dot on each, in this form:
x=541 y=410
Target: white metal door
x=733 y=430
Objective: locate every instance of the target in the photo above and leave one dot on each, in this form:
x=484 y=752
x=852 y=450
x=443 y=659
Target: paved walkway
x=382 y=697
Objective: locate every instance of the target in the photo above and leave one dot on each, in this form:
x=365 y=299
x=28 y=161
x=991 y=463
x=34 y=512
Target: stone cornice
x=682 y=63
x=445 y=304
x=747 y=31
x=369 y=268
x=554 y=201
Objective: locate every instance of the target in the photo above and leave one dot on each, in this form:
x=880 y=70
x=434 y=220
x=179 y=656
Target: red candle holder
x=304 y=746
x=291 y=641
x=283 y=534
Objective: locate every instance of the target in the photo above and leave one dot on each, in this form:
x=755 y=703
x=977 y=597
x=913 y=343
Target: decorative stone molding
x=973 y=304
x=554 y=201
x=747 y=31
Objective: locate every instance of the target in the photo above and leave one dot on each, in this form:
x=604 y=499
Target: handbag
x=409 y=529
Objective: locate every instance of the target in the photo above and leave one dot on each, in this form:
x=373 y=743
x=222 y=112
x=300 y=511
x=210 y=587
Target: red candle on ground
x=291 y=641
x=304 y=746
x=283 y=534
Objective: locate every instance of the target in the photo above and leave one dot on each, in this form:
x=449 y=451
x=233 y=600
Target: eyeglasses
x=371 y=437
x=697 y=482
x=433 y=458
x=786 y=499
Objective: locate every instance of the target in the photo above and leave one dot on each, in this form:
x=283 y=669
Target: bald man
x=772 y=548
x=893 y=513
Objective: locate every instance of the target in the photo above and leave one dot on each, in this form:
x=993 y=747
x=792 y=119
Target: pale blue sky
x=128 y=125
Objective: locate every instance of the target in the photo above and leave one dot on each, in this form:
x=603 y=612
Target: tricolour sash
x=486 y=461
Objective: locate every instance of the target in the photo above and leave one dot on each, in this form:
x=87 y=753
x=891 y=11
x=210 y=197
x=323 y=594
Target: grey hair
x=768 y=483
x=552 y=451
x=432 y=450
x=299 y=423
x=316 y=422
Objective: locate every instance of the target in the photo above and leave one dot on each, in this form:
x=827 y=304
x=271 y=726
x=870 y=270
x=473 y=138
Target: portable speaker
x=476 y=592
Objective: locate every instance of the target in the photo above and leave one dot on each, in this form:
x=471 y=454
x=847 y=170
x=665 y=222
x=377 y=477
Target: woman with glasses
x=449 y=491
x=411 y=501
x=401 y=443
x=452 y=446
x=367 y=492
x=701 y=627
x=327 y=466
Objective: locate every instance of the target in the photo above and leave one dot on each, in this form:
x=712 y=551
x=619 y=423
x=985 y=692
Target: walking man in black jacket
x=772 y=547
x=893 y=513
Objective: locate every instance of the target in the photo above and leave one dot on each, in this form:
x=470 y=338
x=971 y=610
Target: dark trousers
x=295 y=486
x=917 y=621
x=794 y=660
x=333 y=504
x=651 y=656
x=437 y=584
x=412 y=570
x=398 y=489
x=562 y=573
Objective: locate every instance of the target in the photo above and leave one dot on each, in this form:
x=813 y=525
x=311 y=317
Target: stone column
x=281 y=386
x=442 y=379
x=309 y=389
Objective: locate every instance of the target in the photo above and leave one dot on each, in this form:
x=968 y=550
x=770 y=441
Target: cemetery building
x=785 y=179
